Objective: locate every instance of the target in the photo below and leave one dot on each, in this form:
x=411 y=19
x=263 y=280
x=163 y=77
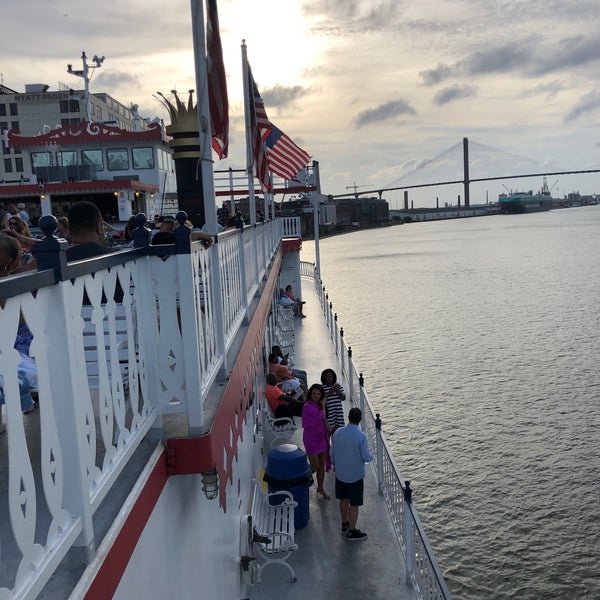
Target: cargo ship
x=526 y=202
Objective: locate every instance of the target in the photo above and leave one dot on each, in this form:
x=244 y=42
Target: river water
x=479 y=340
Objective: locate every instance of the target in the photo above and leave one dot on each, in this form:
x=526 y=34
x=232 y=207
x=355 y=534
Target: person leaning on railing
x=10 y=264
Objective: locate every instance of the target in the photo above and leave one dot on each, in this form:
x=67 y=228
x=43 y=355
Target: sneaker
x=30 y=409
x=345 y=527
x=355 y=535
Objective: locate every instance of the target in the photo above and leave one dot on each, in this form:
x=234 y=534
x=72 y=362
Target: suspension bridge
x=486 y=163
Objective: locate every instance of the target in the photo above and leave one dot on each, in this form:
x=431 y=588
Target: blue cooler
x=288 y=469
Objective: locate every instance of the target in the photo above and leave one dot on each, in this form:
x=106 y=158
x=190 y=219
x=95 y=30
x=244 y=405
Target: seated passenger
x=285 y=378
x=281 y=404
x=285 y=300
x=284 y=360
x=297 y=302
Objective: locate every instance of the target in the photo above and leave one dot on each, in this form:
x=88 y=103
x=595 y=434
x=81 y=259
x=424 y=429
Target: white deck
x=327 y=565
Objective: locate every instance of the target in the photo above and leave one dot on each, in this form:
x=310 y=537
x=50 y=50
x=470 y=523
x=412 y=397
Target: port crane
x=355 y=188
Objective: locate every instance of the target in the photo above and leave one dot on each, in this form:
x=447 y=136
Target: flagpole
x=316 y=195
x=249 y=141
x=206 y=166
x=206 y=161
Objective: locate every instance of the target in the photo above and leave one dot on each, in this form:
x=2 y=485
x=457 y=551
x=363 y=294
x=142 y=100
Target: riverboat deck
x=327 y=565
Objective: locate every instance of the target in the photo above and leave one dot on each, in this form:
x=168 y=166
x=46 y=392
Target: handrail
x=114 y=337
x=423 y=571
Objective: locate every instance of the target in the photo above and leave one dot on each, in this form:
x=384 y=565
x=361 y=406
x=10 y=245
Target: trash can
x=288 y=469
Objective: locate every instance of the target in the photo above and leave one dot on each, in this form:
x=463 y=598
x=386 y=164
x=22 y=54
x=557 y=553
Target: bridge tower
x=466 y=171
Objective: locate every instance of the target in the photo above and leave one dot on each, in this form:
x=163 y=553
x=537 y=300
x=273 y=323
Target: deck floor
x=327 y=565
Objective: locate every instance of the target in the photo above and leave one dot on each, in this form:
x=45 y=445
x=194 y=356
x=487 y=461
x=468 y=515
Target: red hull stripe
x=111 y=571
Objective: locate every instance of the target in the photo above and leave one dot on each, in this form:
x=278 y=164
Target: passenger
x=87 y=232
x=197 y=234
x=284 y=360
x=334 y=396
x=10 y=264
x=62 y=230
x=21 y=230
x=23 y=213
x=281 y=404
x=349 y=453
x=285 y=300
x=316 y=435
x=285 y=378
x=165 y=223
x=160 y=238
x=87 y=236
x=297 y=302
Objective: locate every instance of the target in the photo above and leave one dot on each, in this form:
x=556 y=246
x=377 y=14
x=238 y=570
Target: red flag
x=217 y=82
x=259 y=131
x=285 y=157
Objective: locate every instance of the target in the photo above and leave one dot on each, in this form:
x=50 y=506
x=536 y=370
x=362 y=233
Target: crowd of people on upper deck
x=85 y=231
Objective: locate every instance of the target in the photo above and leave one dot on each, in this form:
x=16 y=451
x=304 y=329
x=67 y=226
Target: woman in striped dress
x=334 y=395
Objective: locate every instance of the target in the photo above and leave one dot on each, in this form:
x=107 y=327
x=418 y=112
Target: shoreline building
x=52 y=156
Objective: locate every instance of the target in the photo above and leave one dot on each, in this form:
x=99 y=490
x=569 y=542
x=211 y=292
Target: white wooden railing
x=423 y=572
x=183 y=306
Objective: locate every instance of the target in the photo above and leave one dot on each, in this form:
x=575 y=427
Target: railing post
x=243 y=276
x=351 y=374
x=342 y=349
x=189 y=335
x=50 y=252
x=256 y=258
x=408 y=533
x=330 y=318
x=361 y=383
x=379 y=453
x=337 y=345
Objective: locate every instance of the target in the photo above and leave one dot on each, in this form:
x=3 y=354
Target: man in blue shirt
x=349 y=453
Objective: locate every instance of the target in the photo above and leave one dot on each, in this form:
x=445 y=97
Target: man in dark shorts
x=349 y=453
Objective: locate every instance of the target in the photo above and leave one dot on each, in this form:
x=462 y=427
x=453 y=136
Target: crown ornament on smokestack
x=185 y=143
x=183 y=129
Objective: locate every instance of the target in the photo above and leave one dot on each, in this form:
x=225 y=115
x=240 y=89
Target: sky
x=380 y=92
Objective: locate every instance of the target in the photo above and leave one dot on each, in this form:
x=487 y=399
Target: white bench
x=273 y=529
x=279 y=430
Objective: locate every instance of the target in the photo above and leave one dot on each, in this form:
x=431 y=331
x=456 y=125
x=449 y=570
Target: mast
x=84 y=73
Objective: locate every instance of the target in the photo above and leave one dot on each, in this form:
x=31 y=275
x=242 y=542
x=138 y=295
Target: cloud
x=282 y=96
x=505 y=58
x=383 y=112
x=525 y=57
x=433 y=76
x=454 y=92
x=590 y=102
x=115 y=79
x=352 y=16
x=569 y=52
x=551 y=89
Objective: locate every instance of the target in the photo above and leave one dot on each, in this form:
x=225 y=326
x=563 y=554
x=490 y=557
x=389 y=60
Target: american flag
x=217 y=82
x=285 y=157
x=259 y=131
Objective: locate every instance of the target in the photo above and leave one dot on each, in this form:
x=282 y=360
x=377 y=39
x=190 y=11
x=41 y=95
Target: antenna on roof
x=85 y=75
